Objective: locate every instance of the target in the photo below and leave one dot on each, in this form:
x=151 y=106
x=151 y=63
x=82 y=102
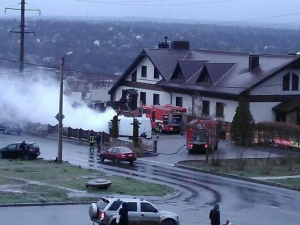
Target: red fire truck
x=168 y=116
x=201 y=134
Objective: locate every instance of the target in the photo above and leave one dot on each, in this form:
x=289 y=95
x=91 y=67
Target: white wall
x=164 y=97
x=262 y=111
x=150 y=73
x=273 y=86
x=229 y=107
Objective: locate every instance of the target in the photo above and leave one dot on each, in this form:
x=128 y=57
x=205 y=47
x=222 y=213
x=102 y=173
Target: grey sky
x=282 y=11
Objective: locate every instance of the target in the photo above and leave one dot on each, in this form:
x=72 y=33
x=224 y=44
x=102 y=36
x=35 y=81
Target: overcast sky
x=276 y=11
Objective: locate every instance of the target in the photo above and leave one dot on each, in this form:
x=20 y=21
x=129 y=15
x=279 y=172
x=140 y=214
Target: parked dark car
x=13 y=151
x=10 y=128
x=117 y=154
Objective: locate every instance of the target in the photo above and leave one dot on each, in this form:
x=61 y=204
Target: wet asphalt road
x=241 y=202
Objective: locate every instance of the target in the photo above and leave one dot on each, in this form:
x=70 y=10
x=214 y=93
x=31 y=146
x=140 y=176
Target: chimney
x=253 y=61
x=164 y=44
x=181 y=44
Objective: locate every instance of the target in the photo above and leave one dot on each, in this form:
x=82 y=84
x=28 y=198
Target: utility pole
x=22 y=31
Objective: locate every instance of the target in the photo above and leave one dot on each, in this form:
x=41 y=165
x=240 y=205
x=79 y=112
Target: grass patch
x=40 y=181
x=254 y=168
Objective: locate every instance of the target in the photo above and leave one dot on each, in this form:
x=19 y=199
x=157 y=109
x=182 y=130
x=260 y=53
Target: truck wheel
x=168 y=222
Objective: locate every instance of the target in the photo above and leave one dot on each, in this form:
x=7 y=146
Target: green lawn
x=42 y=181
x=282 y=166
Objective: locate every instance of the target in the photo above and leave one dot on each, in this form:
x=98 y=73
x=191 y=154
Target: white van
x=126 y=127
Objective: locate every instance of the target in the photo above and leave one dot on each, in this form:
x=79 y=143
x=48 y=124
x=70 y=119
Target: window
x=115 y=206
x=147 y=207
x=155 y=99
x=143 y=97
x=295 y=82
x=144 y=71
x=219 y=109
x=179 y=101
x=133 y=76
x=286 y=82
x=156 y=73
x=205 y=107
x=132 y=206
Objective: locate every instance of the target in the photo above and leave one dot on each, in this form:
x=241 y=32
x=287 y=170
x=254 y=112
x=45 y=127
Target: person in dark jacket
x=214 y=215
x=23 y=146
x=98 y=141
x=92 y=140
x=123 y=212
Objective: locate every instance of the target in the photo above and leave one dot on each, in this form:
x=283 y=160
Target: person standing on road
x=23 y=148
x=157 y=130
x=214 y=215
x=123 y=213
x=98 y=141
x=92 y=141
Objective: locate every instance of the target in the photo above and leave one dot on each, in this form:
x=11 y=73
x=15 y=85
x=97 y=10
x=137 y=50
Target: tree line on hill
x=108 y=47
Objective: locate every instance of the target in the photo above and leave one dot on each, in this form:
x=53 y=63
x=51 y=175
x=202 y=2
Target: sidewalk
x=276 y=178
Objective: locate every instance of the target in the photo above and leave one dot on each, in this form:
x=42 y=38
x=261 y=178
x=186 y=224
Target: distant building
x=210 y=82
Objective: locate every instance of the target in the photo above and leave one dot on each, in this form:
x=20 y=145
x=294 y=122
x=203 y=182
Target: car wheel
x=117 y=161
x=168 y=222
x=26 y=157
x=102 y=158
x=131 y=162
x=114 y=222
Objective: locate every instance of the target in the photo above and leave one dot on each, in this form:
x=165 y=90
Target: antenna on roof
x=164 y=44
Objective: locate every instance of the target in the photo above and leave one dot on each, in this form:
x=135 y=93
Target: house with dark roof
x=210 y=83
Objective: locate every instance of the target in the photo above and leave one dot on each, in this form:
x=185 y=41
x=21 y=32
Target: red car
x=117 y=154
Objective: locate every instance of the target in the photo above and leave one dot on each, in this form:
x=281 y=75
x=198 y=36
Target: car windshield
x=125 y=150
x=199 y=136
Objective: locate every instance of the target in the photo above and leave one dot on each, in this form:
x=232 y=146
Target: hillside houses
x=210 y=83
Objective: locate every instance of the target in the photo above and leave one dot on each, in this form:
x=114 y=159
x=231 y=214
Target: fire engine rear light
x=190 y=145
x=170 y=128
x=102 y=215
x=205 y=146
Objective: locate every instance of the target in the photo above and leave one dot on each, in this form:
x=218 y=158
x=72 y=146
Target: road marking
x=155 y=162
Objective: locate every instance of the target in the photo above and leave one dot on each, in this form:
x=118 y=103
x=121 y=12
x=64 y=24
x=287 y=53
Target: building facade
x=210 y=83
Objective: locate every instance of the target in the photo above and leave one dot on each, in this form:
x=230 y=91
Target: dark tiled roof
x=190 y=67
x=287 y=106
x=228 y=71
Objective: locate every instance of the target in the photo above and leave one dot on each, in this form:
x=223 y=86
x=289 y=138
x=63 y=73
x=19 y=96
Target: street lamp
x=60 y=112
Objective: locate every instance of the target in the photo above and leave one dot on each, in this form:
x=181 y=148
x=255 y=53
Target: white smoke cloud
x=35 y=98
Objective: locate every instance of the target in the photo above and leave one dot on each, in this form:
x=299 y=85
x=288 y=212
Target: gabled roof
x=228 y=72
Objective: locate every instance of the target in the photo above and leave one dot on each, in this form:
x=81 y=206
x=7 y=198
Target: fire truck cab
x=168 y=117
x=201 y=134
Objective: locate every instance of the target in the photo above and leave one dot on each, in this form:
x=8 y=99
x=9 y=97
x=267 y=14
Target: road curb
x=238 y=177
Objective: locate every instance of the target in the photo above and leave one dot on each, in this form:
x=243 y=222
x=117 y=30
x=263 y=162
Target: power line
x=22 y=31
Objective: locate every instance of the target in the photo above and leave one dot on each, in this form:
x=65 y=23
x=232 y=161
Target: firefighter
x=157 y=129
x=92 y=141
